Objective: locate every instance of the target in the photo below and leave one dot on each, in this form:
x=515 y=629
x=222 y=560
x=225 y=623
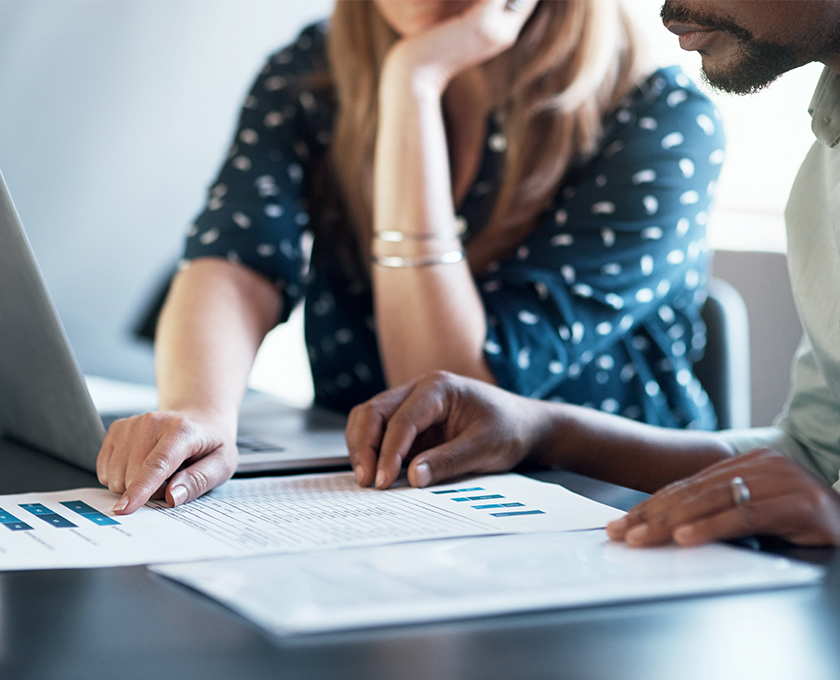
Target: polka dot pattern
x=622 y=265
x=575 y=313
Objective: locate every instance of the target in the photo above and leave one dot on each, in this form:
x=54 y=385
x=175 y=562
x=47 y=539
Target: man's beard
x=756 y=66
x=757 y=63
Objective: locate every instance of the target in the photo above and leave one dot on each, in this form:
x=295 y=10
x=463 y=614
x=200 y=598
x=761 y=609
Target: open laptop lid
x=45 y=403
x=43 y=398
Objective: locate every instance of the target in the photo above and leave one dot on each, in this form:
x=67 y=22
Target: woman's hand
x=214 y=319
x=447 y=425
x=785 y=500
x=175 y=454
x=482 y=32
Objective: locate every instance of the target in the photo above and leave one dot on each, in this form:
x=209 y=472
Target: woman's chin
x=411 y=17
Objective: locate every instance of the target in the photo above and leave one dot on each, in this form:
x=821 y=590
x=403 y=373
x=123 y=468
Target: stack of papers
x=314 y=553
x=460 y=578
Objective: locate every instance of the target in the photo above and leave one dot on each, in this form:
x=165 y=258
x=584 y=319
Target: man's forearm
x=621 y=451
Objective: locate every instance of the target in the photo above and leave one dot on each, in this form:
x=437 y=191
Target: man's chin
x=749 y=68
x=734 y=83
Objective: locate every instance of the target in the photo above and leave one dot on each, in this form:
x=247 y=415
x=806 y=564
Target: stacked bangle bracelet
x=396 y=262
x=424 y=260
x=399 y=237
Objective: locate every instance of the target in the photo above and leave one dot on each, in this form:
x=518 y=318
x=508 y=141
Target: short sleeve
x=621 y=250
x=256 y=209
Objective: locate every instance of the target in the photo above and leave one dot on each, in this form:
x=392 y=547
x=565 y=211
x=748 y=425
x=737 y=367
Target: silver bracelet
x=393 y=236
x=396 y=262
x=399 y=237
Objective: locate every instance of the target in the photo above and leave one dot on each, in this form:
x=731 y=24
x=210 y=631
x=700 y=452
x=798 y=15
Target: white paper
x=280 y=514
x=459 y=578
x=60 y=537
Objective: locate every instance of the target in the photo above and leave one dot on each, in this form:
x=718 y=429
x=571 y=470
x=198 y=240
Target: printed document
x=467 y=577
x=278 y=515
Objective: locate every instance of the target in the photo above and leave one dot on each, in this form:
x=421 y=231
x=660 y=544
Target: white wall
x=114 y=117
x=768 y=135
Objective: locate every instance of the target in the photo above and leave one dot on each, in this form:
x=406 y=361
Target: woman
x=493 y=188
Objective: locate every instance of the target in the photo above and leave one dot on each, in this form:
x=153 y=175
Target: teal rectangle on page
x=520 y=512
x=443 y=491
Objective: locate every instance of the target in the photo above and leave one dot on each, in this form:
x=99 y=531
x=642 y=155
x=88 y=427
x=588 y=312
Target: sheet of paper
x=460 y=578
x=68 y=529
x=278 y=514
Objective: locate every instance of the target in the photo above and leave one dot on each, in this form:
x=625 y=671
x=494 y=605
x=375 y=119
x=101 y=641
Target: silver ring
x=513 y=5
x=739 y=489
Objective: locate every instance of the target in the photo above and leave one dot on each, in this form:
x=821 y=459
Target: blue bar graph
x=89 y=513
x=498 y=505
x=475 y=488
x=478 y=498
x=51 y=517
x=12 y=523
x=520 y=512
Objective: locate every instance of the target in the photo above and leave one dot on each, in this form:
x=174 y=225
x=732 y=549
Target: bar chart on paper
x=500 y=504
x=269 y=515
x=76 y=529
x=51 y=517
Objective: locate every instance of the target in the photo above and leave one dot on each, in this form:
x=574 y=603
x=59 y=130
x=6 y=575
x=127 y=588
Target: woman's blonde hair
x=572 y=64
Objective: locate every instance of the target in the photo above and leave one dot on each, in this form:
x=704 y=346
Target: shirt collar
x=825 y=108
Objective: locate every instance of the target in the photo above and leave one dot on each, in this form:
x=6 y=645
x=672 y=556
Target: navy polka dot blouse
x=600 y=304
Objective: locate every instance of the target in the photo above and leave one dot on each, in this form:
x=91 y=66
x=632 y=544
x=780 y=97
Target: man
x=765 y=481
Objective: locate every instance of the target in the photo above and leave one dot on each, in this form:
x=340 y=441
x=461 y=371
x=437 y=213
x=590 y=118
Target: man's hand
x=446 y=425
x=785 y=500
x=165 y=454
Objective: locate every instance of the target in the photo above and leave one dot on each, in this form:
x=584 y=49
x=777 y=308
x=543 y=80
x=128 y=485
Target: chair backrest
x=724 y=370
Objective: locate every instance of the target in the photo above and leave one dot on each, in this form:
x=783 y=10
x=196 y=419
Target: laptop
x=45 y=403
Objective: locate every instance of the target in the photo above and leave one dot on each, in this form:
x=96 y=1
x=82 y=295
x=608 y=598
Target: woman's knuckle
x=200 y=481
x=116 y=486
x=158 y=464
x=438 y=377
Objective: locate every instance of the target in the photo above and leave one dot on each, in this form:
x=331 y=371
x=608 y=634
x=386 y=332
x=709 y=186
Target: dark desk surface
x=127 y=623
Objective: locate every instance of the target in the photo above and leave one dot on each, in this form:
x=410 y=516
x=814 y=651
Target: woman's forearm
x=428 y=317
x=215 y=317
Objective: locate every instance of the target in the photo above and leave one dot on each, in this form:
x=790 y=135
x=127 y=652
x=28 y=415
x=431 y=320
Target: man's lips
x=692 y=37
x=682 y=29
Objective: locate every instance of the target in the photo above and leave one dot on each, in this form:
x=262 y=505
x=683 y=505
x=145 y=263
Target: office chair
x=724 y=370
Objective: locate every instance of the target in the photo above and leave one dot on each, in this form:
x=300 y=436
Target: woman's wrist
x=221 y=417
x=404 y=78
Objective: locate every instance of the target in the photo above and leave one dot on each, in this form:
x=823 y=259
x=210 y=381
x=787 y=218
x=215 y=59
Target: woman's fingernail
x=380 y=479
x=423 y=474
x=120 y=505
x=637 y=534
x=359 y=474
x=179 y=495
